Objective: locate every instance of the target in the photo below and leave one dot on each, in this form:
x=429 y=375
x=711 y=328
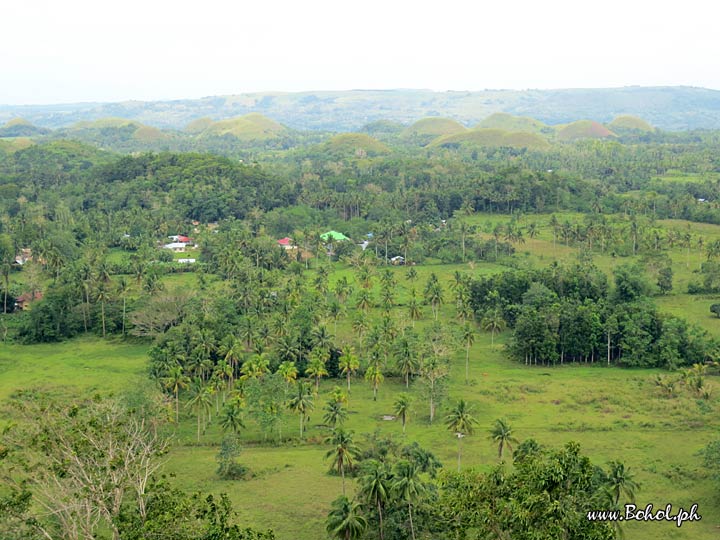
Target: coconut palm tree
x=175 y=381
x=200 y=402
x=316 y=366
x=288 y=372
x=492 y=322
x=231 y=419
x=408 y=487
x=405 y=359
x=343 y=452
x=374 y=375
x=344 y=521
x=335 y=413
x=461 y=422
x=349 y=363
x=501 y=433
x=468 y=337
x=620 y=481
x=122 y=290
x=374 y=486
x=302 y=403
x=402 y=408
x=103 y=296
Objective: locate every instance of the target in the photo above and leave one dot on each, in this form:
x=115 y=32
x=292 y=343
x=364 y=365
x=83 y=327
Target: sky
x=88 y=50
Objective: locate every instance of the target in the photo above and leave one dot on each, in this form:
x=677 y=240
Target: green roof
x=334 y=235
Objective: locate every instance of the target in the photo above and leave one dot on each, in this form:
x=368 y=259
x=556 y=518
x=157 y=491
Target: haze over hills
x=668 y=108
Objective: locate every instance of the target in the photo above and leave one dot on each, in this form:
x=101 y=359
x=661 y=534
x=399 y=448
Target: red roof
x=183 y=239
x=285 y=241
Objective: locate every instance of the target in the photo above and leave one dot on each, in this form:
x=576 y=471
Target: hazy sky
x=55 y=51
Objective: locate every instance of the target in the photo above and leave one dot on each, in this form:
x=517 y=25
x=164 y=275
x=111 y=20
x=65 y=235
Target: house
x=23 y=301
x=334 y=236
x=176 y=247
x=397 y=260
x=181 y=238
x=24 y=256
x=185 y=261
x=286 y=243
x=364 y=244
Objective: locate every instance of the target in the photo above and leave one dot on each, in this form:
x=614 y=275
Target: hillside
x=434 y=127
x=668 y=108
x=630 y=123
x=19 y=127
x=357 y=144
x=494 y=138
x=583 y=129
x=508 y=122
x=251 y=127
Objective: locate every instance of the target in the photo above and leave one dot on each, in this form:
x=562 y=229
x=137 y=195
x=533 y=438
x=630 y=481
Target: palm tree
x=408 y=487
x=405 y=359
x=374 y=486
x=620 y=481
x=402 y=408
x=302 y=403
x=374 y=375
x=468 y=337
x=345 y=521
x=288 y=372
x=349 y=363
x=414 y=309
x=461 y=422
x=335 y=413
x=123 y=288
x=501 y=433
x=175 y=381
x=103 y=296
x=343 y=451
x=200 y=402
x=492 y=322
x=316 y=367
x=231 y=418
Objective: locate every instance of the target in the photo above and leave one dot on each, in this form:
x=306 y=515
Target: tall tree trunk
x=412 y=528
x=102 y=310
x=467 y=363
x=381 y=520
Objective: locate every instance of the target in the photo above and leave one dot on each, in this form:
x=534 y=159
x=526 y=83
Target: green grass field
x=615 y=414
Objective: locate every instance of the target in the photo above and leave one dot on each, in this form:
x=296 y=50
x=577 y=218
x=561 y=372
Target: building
x=24 y=300
x=175 y=247
x=286 y=243
x=397 y=260
x=333 y=236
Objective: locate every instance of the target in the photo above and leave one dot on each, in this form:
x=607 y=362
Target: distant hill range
x=668 y=108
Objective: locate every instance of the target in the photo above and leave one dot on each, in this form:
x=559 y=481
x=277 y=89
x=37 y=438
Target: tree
x=175 y=381
x=349 y=363
x=343 y=451
x=501 y=433
x=335 y=413
x=374 y=487
x=374 y=375
x=200 y=402
x=665 y=278
x=123 y=288
x=288 y=372
x=468 y=337
x=316 y=366
x=715 y=308
x=98 y=456
x=302 y=403
x=461 y=422
x=344 y=521
x=408 y=487
x=492 y=322
x=620 y=481
x=402 y=408
x=231 y=418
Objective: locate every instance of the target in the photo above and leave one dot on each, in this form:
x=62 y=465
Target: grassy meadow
x=614 y=413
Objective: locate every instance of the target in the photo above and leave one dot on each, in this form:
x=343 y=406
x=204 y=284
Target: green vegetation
x=444 y=328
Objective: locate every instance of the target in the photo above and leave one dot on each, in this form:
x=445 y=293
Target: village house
x=23 y=301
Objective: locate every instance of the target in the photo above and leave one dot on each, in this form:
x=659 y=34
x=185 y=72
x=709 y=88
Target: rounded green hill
x=251 y=127
x=509 y=122
x=583 y=129
x=358 y=144
x=627 y=122
x=494 y=138
x=434 y=127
